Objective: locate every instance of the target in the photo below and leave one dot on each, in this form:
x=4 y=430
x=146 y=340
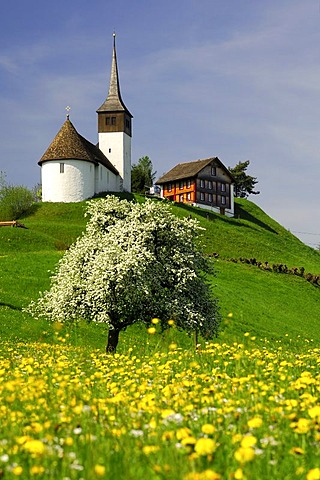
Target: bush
x=14 y=201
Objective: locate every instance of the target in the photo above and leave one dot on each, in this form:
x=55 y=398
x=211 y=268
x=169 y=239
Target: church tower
x=114 y=127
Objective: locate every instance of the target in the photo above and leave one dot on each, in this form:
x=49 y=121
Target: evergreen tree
x=142 y=176
x=244 y=184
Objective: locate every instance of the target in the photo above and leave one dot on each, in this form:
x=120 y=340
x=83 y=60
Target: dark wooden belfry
x=113 y=115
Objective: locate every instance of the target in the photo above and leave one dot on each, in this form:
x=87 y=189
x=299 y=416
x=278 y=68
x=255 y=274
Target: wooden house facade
x=203 y=183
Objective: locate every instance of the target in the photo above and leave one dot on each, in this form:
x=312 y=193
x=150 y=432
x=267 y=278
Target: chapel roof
x=190 y=169
x=69 y=144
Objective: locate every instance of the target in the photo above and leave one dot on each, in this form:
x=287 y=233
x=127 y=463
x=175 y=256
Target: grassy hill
x=266 y=304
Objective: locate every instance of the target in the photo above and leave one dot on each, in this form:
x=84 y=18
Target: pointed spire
x=114 y=87
x=114 y=101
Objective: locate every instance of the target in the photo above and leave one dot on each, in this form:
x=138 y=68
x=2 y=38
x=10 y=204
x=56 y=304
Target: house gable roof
x=190 y=169
x=69 y=144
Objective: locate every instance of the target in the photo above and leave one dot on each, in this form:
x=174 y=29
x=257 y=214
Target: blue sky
x=237 y=79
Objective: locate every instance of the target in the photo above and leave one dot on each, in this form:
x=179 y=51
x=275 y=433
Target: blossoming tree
x=133 y=262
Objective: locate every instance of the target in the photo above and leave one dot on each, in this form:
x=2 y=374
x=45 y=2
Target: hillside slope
x=265 y=303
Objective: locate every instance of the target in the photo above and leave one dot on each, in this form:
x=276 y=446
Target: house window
x=181 y=185
x=181 y=198
x=209 y=185
x=109 y=150
x=127 y=123
x=188 y=183
x=61 y=167
x=169 y=187
x=113 y=120
x=202 y=196
x=223 y=187
x=213 y=171
x=188 y=196
x=202 y=183
x=210 y=197
x=108 y=121
x=223 y=200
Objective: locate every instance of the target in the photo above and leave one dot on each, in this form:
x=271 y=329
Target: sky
x=237 y=79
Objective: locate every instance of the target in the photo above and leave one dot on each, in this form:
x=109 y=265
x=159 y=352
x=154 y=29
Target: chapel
x=74 y=169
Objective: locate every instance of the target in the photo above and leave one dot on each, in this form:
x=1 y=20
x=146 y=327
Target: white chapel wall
x=105 y=180
x=117 y=148
x=74 y=183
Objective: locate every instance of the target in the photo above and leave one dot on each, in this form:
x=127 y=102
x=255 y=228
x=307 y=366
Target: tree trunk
x=196 y=339
x=113 y=339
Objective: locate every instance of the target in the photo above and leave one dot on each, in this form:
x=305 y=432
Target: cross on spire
x=68 y=110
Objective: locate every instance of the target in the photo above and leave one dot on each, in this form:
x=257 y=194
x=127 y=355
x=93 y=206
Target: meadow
x=242 y=406
x=241 y=410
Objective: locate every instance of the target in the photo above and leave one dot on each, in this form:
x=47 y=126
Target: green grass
x=227 y=411
x=252 y=234
x=266 y=303
x=244 y=407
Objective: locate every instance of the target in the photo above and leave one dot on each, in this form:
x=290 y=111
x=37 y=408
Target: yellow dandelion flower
x=148 y=449
x=237 y=437
x=167 y=412
x=210 y=475
x=254 y=422
x=35 y=447
x=37 y=470
x=17 y=470
x=151 y=330
x=243 y=455
x=155 y=321
x=248 y=441
x=313 y=474
x=297 y=451
x=205 y=446
x=301 y=426
x=192 y=476
x=238 y=474
x=22 y=440
x=167 y=435
x=208 y=429
x=99 y=470
x=314 y=412
x=37 y=427
x=171 y=323
x=188 y=441
x=183 y=433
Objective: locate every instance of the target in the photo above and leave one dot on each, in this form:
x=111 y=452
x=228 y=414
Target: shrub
x=14 y=200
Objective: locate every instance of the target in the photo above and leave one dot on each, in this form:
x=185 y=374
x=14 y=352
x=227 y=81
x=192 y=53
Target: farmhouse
x=73 y=169
x=203 y=183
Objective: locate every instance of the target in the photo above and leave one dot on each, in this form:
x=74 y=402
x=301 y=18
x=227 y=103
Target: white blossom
x=133 y=262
